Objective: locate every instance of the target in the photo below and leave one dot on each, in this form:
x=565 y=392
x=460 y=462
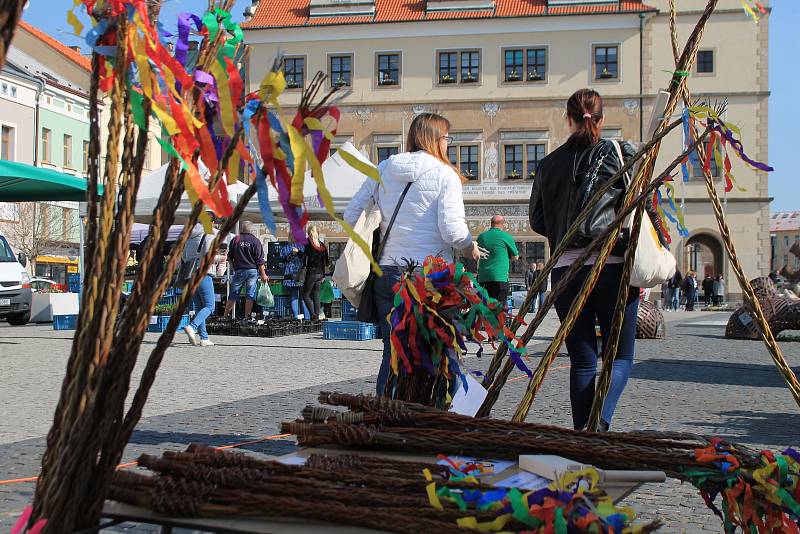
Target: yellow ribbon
x=225 y=103
x=327 y=199
x=488 y=526
x=273 y=84
x=301 y=152
x=72 y=20
x=431 y=489
x=205 y=220
x=364 y=168
x=166 y=119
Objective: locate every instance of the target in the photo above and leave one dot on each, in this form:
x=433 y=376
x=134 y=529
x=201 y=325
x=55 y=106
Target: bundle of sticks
x=756 y=487
x=375 y=422
x=379 y=493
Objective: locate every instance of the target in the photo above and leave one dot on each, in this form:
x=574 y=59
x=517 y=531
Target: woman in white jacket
x=430 y=221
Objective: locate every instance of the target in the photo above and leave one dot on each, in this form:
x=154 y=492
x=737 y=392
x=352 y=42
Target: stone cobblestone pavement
x=241 y=389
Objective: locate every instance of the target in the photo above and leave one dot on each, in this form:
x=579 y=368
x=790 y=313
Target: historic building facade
x=501 y=71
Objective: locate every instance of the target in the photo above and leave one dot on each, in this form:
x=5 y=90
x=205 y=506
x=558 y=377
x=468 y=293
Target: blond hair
x=313 y=235
x=424 y=134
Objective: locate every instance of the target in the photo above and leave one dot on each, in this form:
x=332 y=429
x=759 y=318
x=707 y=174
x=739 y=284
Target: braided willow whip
x=86 y=439
x=541 y=278
x=572 y=271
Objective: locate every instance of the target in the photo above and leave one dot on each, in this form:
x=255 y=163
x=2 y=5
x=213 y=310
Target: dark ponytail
x=585 y=110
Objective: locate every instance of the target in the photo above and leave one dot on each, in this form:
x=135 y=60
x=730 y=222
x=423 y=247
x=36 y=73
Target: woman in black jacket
x=316 y=261
x=556 y=200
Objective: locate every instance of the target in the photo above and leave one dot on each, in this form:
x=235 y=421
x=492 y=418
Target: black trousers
x=497 y=290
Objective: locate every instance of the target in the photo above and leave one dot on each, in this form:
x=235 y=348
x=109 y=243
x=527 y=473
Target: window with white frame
x=465 y=154
x=522 y=152
x=47 y=143
x=67 y=151
x=606 y=62
x=524 y=64
x=7 y=140
x=341 y=70
x=386 y=145
x=387 y=71
x=294 y=69
x=458 y=66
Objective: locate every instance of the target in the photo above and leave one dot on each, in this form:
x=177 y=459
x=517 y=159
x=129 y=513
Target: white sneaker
x=206 y=343
x=190 y=332
x=321 y=317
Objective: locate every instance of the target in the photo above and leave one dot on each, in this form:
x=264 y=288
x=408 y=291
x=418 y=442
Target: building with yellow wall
x=502 y=70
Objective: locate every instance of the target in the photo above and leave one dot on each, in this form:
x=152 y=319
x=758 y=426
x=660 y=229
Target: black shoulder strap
x=391 y=221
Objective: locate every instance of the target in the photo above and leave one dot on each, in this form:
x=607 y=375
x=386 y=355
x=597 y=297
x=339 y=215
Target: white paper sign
x=468 y=402
x=292 y=460
x=524 y=480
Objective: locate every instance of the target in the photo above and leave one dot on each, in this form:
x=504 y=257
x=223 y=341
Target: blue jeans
x=675 y=301
x=538 y=301
x=295 y=301
x=204 y=302
x=247 y=278
x=384 y=301
x=582 y=340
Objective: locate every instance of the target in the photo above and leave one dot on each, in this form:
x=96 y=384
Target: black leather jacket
x=555 y=201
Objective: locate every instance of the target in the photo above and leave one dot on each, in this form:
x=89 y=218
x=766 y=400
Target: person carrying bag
x=421 y=202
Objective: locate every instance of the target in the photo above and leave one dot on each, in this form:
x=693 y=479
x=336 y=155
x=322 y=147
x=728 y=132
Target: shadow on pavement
x=765 y=428
x=709 y=372
x=151 y=437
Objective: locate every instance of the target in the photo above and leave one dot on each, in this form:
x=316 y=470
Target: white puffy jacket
x=431 y=220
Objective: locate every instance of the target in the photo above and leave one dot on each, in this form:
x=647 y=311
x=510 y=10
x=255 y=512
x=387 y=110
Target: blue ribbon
x=263 y=200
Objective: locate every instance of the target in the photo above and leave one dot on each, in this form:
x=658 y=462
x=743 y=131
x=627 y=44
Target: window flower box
x=605 y=75
x=340 y=82
x=387 y=81
x=469 y=78
x=292 y=85
x=535 y=76
x=531 y=175
x=514 y=175
x=469 y=175
x=446 y=78
x=513 y=76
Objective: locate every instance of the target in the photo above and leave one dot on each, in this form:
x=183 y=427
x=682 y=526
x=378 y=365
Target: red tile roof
x=74 y=56
x=784 y=221
x=292 y=13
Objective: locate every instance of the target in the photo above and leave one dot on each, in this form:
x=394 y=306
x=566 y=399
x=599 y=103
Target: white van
x=15 y=286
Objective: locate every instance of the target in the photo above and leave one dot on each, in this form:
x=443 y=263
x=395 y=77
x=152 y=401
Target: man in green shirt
x=493 y=269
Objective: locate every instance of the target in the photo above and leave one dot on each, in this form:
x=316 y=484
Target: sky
x=784 y=76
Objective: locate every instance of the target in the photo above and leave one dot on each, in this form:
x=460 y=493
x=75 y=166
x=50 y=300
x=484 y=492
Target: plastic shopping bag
x=264 y=297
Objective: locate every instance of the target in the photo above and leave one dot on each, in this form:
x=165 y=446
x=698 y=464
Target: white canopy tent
x=341 y=179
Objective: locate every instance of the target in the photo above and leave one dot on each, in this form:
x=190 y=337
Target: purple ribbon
x=184 y=26
x=737 y=146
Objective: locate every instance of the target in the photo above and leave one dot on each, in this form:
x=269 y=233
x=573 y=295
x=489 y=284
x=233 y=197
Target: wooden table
x=618 y=485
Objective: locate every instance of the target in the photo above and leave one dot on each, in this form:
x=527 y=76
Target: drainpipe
x=39 y=92
x=641 y=77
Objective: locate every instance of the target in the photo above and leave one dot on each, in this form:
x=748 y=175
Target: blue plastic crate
x=337 y=293
x=161 y=323
x=65 y=322
x=349 y=312
x=281 y=308
x=350 y=330
x=74 y=282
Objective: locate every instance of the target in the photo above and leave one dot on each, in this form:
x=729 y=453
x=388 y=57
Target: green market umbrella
x=20 y=182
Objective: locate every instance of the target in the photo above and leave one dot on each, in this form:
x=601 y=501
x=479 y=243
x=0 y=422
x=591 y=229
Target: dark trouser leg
x=308 y=301
x=603 y=301
x=384 y=301
x=315 y=292
x=582 y=348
